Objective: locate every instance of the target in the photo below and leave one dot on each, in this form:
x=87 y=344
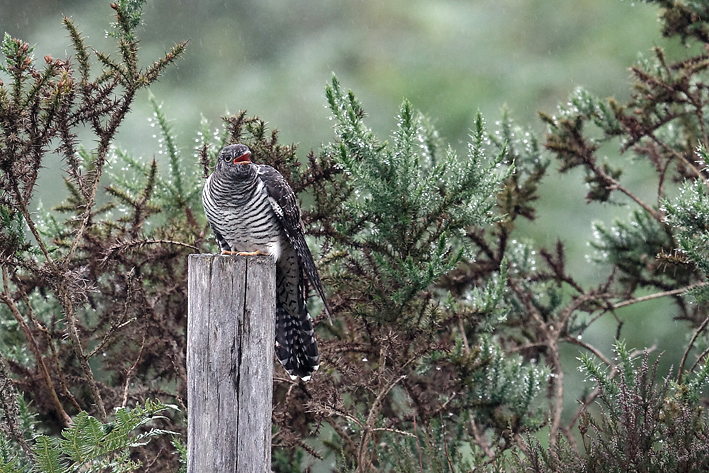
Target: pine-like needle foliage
x=81 y=314
x=411 y=200
x=449 y=325
x=689 y=215
x=644 y=424
x=395 y=217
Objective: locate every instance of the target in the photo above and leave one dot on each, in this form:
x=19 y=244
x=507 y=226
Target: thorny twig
x=6 y=298
x=699 y=330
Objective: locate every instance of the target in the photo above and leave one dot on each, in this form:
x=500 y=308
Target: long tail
x=296 y=347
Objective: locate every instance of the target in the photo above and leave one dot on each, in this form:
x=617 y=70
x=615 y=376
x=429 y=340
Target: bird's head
x=235 y=159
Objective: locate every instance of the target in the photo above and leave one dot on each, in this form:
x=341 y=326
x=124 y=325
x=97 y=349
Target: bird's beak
x=243 y=159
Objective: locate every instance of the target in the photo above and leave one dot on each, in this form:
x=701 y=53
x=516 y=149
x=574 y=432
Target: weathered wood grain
x=230 y=342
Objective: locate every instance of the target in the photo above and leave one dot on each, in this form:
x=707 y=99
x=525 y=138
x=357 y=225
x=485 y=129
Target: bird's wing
x=285 y=205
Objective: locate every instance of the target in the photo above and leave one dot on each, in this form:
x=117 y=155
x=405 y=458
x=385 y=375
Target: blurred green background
x=449 y=58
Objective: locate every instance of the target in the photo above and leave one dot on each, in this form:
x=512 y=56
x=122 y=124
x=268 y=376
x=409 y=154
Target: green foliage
x=12 y=231
x=658 y=126
x=484 y=306
x=75 y=309
x=89 y=445
x=175 y=187
x=642 y=425
x=576 y=149
x=688 y=214
x=521 y=148
x=449 y=322
x=685 y=19
x=632 y=246
x=171 y=197
x=282 y=462
x=500 y=386
x=411 y=199
x=393 y=218
x=429 y=450
x=505 y=381
x=129 y=14
x=181 y=450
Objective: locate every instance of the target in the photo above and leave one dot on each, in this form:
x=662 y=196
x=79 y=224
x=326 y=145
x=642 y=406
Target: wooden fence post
x=230 y=343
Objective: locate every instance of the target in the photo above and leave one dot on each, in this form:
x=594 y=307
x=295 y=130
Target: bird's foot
x=251 y=253
x=244 y=253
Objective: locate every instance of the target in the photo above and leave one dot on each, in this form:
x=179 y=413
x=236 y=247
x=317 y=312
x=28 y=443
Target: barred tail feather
x=296 y=347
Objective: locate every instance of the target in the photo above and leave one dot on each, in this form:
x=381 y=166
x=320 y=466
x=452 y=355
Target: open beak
x=243 y=159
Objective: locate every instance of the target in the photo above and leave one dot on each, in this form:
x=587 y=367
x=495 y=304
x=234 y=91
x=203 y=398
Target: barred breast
x=241 y=214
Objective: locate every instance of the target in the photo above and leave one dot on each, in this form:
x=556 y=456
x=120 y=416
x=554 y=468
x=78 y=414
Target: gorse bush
x=449 y=323
x=81 y=322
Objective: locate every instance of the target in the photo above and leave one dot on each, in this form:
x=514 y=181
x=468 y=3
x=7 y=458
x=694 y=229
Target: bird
x=252 y=210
